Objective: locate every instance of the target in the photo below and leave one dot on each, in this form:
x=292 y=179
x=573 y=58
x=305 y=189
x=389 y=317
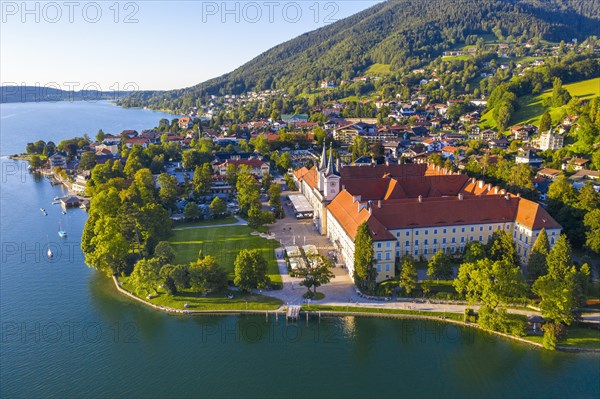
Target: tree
x=261 y=144
x=191 y=211
x=493 y=283
x=248 y=191
x=257 y=217
x=164 y=252
x=267 y=179
x=100 y=136
x=553 y=332
x=439 y=266
x=502 y=247
x=202 y=180
x=359 y=147
x=35 y=161
x=536 y=264
x=284 y=162
x=169 y=190
x=558 y=296
x=250 y=270
x=231 y=174
x=315 y=274
x=560 y=193
x=474 y=251
x=559 y=259
x=180 y=275
x=107 y=248
x=560 y=95
x=87 y=161
x=206 y=275
x=218 y=207
x=275 y=199
x=588 y=199
x=545 y=122
x=592 y=224
x=146 y=276
x=134 y=162
x=364 y=255
x=408 y=275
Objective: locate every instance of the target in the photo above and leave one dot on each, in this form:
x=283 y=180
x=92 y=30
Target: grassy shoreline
x=587 y=341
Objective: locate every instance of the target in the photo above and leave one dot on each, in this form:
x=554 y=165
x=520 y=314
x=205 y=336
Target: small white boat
x=61 y=233
x=42 y=210
x=50 y=254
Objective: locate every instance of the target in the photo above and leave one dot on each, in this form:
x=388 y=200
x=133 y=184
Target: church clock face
x=332 y=184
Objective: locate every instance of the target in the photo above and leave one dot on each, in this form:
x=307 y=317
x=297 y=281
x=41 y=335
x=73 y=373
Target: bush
x=502 y=321
x=444 y=295
x=469 y=316
x=553 y=332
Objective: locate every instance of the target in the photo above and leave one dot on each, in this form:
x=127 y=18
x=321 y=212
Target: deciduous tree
x=251 y=270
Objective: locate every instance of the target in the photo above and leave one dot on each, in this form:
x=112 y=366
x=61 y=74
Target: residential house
x=523 y=132
x=80 y=183
x=257 y=167
x=550 y=141
x=185 y=122
x=528 y=157
x=548 y=173
x=575 y=163
x=583 y=176
x=488 y=134
x=141 y=141
x=58 y=160
x=499 y=143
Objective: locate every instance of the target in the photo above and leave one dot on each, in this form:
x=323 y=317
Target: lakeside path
x=341 y=292
x=240 y=222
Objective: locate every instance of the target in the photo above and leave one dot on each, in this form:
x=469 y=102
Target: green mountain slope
x=405 y=34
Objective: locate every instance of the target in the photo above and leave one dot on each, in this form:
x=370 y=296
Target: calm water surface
x=22 y=123
x=66 y=333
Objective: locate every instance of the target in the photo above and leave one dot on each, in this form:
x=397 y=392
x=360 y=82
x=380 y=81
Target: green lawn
x=457 y=57
x=215 y=222
x=577 y=337
x=452 y=316
x=217 y=301
x=224 y=243
x=378 y=69
x=531 y=110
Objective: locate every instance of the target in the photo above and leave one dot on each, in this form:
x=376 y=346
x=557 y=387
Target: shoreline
x=338 y=313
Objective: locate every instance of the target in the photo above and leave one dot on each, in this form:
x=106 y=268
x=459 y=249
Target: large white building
x=551 y=141
x=415 y=209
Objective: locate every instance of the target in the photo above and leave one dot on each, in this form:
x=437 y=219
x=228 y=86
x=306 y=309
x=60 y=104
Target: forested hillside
x=404 y=34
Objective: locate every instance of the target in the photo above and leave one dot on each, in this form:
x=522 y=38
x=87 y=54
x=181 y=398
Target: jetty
x=293 y=312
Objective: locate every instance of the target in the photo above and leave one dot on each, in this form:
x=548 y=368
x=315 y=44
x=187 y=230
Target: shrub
x=469 y=316
x=553 y=332
x=502 y=321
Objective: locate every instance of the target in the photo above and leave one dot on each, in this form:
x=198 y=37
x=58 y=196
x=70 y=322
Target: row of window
x=454 y=230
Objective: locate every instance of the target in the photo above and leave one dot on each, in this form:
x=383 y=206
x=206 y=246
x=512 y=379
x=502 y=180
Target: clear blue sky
x=172 y=44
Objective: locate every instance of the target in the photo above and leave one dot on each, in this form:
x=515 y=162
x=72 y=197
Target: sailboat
x=49 y=252
x=61 y=233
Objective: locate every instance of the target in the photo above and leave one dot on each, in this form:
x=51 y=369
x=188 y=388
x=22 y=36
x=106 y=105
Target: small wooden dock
x=293 y=312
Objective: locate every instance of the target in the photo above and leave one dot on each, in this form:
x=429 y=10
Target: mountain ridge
x=403 y=33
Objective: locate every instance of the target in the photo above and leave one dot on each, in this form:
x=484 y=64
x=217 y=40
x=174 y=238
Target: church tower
x=321 y=170
x=331 y=178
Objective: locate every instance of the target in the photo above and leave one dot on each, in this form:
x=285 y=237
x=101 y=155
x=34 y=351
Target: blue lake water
x=67 y=333
x=22 y=123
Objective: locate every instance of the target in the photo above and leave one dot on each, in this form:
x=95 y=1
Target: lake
x=22 y=123
x=66 y=332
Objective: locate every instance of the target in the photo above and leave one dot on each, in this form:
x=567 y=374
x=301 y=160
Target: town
x=400 y=190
